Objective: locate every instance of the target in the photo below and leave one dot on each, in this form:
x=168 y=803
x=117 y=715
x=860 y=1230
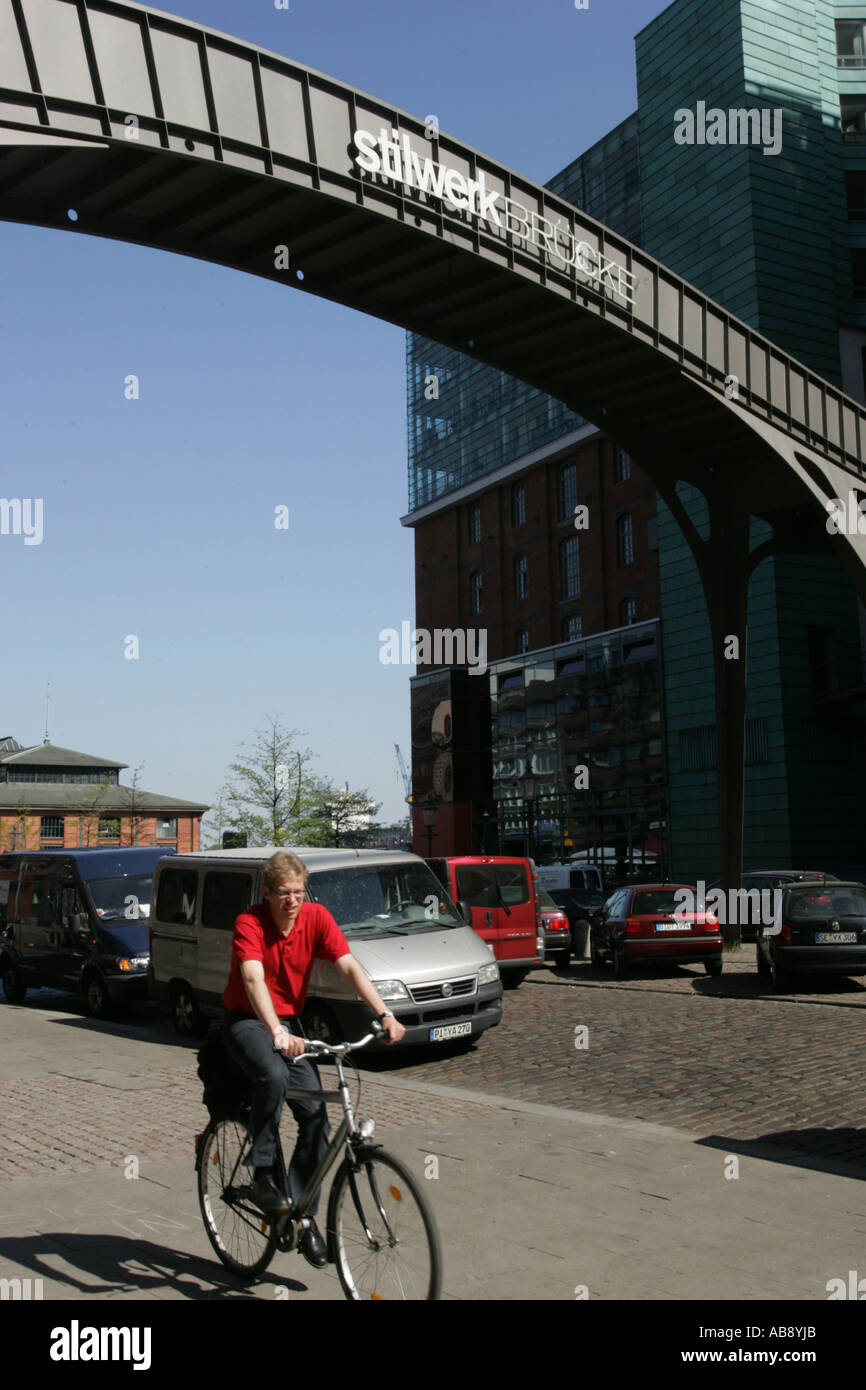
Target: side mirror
x=465 y=911
x=79 y=927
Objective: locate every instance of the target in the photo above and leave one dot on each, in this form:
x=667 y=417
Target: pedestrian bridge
x=121 y=121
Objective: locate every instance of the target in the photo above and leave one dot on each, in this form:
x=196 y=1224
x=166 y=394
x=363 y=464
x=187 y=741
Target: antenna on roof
x=47 y=692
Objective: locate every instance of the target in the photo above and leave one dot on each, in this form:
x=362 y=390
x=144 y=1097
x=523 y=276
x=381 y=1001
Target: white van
x=552 y=876
x=432 y=969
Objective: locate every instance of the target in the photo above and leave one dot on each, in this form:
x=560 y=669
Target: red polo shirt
x=288 y=960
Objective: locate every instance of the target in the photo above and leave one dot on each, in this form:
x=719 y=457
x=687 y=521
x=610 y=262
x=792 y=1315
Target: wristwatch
x=389 y=1013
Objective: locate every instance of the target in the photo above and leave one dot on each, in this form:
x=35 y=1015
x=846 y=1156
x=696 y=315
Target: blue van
x=77 y=920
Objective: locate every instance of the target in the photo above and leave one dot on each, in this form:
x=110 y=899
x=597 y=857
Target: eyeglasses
x=288 y=893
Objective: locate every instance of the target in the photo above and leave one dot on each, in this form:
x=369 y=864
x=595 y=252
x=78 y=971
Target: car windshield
x=384 y=899
x=660 y=901
x=127 y=896
x=493 y=885
x=545 y=900
x=804 y=903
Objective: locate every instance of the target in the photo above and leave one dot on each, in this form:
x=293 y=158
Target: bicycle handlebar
x=320 y=1048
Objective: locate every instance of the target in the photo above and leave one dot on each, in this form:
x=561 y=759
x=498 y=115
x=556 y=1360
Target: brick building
x=53 y=798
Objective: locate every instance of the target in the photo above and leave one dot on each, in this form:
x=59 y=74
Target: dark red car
x=651 y=922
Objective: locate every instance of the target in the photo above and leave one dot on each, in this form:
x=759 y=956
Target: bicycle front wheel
x=384 y=1233
x=242 y=1237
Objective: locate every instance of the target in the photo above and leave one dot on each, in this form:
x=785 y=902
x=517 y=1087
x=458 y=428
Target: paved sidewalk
x=532 y=1202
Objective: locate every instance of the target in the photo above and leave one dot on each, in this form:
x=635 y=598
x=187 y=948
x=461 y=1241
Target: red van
x=501 y=893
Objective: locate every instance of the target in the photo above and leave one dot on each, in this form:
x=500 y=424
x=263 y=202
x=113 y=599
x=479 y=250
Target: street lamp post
x=428 y=810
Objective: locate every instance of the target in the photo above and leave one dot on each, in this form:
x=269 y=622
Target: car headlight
x=134 y=963
x=391 y=989
x=488 y=974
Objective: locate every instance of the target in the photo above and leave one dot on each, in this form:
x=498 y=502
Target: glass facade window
x=475 y=592
x=625 y=540
x=627 y=612
x=572 y=628
x=474 y=525
x=51 y=828
x=622 y=466
x=858 y=270
x=855 y=193
x=520 y=582
x=521 y=643
x=853 y=115
x=567 y=490
x=518 y=504
x=569 y=567
x=166 y=828
x=851 y=43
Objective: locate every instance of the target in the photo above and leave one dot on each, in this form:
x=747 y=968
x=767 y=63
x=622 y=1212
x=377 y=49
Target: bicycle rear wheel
x=384 y=1233
x=242 y=1237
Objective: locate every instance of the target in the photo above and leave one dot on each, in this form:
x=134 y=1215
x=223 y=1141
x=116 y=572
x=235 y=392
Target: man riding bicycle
x=273 y=948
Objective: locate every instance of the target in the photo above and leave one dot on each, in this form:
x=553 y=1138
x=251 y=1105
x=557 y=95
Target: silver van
x=432 y=969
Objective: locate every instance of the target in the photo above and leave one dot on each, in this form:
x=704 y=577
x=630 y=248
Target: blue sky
x=158 y=512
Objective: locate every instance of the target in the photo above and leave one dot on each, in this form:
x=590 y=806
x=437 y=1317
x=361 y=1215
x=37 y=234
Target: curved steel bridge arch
x=155 y=130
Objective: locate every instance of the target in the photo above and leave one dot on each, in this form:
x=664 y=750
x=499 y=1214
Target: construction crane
x=407 y=785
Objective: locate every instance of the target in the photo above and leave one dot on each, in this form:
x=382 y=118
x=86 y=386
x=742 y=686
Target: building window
x=853 y=114
x=624 y=541
x=572 y=628
x=474 y=525
x=622 y=466
x=855 y=193
x=520 y=587
x=51 y=828
x=850 y=43
x=627 y=612
x=475 y=591
x=109 y=828
x=521 y=640
x=166 y=828
x=518 y=504
x=858 y=270
x=567 y=491
x=569 y=567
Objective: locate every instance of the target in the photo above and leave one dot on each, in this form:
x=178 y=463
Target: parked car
x=557 y=930
x=77 y=920
x=767 y=880
x=579 y=905
x=499 y=893
x=644 y=923
x=586 y=878
x=428 y=965
x=821 y=927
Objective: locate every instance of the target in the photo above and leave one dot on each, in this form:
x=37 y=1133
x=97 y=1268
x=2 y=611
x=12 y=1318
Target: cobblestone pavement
x=714 y=1057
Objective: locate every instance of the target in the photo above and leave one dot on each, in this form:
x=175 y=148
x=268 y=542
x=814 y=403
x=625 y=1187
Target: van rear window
x=177 y=891
x=493 y=885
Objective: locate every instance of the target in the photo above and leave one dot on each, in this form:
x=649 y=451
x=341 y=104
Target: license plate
x=450 y=1030
x=673 y=926
x=845 y=938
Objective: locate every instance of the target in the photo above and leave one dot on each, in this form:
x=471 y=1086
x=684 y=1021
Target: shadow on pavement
x=125 y=1264
x=840 y=1151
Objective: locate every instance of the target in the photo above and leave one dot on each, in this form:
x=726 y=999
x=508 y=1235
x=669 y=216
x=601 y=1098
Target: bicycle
x=380 y=1230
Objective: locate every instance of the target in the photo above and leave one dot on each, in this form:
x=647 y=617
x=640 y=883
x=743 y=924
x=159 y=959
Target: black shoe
x=312 y=1247
x=268 y=1196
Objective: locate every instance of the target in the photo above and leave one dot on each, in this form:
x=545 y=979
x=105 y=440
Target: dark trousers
x=249 y=1042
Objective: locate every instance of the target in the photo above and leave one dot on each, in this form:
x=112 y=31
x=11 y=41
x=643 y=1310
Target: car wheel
x=714 y=966
x=619 y=966
x=511 y=979
x=13 y=987
x=780 y=979
x=189 y=1021
x=762 y=964
x=563 y=959
x=595 y=957
x=579 y=934
x=96 y=1000
x=320 y=1023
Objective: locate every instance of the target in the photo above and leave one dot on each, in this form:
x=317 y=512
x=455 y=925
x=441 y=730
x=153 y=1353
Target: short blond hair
x=281 y=866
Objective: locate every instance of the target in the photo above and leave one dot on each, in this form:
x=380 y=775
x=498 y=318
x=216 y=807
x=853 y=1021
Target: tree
x=131 y=805
x=216 y=820
x=270 y=792
x=348 y=815
x=88 y=808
